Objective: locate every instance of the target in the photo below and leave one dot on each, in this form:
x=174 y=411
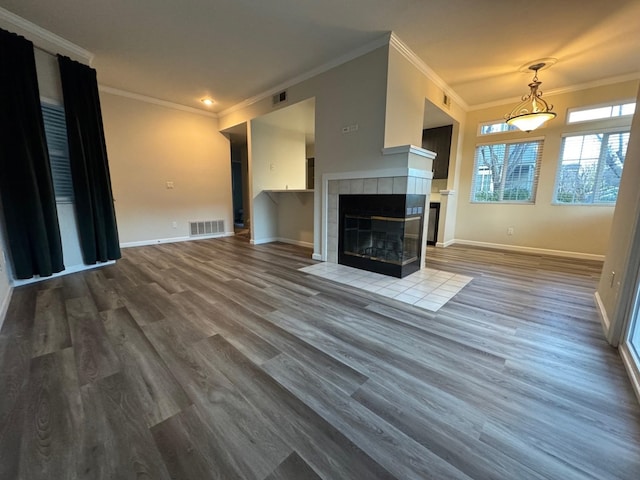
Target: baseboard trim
x=290 y=241
x=4 y=305
x=445 y=244
x=534 y=250
x=262 y=241
x=299 y=243
x=631 y=368
x=144 y=243
x=67 y=271
x=604 y=318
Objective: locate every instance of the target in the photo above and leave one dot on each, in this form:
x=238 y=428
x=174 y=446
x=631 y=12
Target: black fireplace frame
x=392 y=206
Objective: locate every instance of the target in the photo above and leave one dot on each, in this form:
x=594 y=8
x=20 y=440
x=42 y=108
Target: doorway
x=240 y=179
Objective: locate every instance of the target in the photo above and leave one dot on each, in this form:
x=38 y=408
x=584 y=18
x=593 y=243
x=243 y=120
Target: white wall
x=407 y=89
x=622 y=255
x=295 y=218
x=277 y=161
x=278 y=157
x=581 y=231
x=351 y=93
x=149 y=145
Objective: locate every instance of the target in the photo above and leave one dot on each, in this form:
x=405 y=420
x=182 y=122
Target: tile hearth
x=427 y=288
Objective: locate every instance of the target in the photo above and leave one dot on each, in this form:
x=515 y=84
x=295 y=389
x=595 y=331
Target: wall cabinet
x=438 y=140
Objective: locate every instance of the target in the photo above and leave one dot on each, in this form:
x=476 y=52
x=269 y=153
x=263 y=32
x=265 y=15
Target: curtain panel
x=95 y=212
x=26 y=187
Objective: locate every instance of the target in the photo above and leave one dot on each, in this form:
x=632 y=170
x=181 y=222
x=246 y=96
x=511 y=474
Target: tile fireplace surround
x=413 y=176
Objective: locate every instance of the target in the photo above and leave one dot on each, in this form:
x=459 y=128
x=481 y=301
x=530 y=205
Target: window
x=598 y=113
x=590 y=168
x=495 y=126
x=506 y=172
x=55 y=130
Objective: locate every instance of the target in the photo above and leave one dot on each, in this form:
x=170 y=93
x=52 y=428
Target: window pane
x=598 y=113
x=495 y=127
x=628 y=109
x=590 y=168
x=506 y=172
x=55 y=130
x=613 y=160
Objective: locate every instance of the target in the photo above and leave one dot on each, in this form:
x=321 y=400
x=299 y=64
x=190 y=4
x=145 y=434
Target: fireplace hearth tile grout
x=427 y=288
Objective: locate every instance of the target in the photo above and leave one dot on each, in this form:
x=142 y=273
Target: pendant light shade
x=532 y=111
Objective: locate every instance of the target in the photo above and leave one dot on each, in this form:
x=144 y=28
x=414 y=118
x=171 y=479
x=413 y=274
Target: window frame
x=535 y=175
x=617 y=103
x=601 y=131
x=494 y=122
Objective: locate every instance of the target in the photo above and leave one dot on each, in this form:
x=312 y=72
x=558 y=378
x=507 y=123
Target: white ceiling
x=183 y=50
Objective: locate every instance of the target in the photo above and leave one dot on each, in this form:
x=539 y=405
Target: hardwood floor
x=219 y=360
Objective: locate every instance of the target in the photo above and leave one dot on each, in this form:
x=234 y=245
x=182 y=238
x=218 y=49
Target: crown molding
x=417 y=62
x=559 y=91
x=44 y=39
x=358 y=52
x=154 y=101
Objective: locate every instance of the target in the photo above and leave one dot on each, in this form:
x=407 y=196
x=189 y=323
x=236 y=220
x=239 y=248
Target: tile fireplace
x=381 y=233
x=375 y=219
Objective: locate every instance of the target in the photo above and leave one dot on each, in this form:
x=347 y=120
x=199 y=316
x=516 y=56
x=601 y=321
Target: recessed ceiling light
x=207 y=101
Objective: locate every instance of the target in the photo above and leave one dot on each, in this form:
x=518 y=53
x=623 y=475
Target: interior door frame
x=629 y=309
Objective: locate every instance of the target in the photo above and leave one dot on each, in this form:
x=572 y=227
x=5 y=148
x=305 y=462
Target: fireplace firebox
x=381 y=233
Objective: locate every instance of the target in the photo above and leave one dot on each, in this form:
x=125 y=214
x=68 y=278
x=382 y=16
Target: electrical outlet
x=510 y=231
x=169 y=185
x=174 y=224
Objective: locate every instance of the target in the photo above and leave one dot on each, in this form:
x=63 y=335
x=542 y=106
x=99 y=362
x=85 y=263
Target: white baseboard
x=316 y=256
x=632 y=369
x=4 y=305
x=299 y=243
x=291 y=241
x=66 y=271
x=261 y=241
x=143 y=243
x=445 y=244
x=604 y=318
x=535 y=250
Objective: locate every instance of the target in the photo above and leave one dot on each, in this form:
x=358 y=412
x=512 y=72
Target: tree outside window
x=590 y=168
x=506 y=172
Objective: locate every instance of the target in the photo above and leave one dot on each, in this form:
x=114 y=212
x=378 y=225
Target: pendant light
x=532 y=111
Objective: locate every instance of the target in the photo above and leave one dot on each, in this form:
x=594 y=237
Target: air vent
x=208 y=227
x=446 y=100
x=279 y=97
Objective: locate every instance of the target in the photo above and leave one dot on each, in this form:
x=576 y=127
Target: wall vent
x=279 y=98
x=446 y=100
x=207 y=227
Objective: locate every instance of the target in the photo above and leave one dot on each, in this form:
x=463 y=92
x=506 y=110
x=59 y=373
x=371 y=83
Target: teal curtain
x=95 y=212
x=26 y=188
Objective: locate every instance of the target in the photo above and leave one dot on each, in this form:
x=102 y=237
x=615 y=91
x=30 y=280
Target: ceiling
x=231 y=50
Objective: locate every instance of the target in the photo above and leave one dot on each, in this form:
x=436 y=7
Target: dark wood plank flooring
x=219 y=360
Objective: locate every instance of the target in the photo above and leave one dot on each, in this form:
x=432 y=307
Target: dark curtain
x=89 y=165
x=26 y=188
